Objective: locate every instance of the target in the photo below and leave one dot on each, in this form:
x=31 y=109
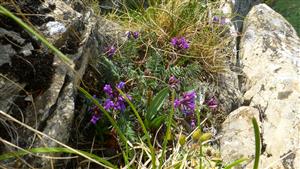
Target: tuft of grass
x=177 y=18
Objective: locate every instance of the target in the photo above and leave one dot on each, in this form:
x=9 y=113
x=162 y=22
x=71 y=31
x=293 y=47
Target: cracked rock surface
x=26 y=65
x=270 y=58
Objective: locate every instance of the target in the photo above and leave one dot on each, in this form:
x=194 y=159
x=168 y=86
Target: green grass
x=290 y=10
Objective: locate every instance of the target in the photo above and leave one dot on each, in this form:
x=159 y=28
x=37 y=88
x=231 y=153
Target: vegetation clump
x=171 y=48
x=163 y=118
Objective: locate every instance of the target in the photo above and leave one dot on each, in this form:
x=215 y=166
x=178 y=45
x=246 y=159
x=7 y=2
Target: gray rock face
x=51 y=111
x=240 y=10
x=270 y=51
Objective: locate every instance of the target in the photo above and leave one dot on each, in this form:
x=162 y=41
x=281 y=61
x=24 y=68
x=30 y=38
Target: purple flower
x=128 y=33
x=115 y=101
x=95 y=118
x=186 y=103
x=121 y=85
x=193 y=123
x=135 y=34
x=177 y=103
x=111 y=51
x=183 y=43
x=223 y=20
x=212 y=103
x=174 y=41
x=173 y=82
x=180 y=43
x=120 y=104
x=108 y=104
x=216 y=19
x=108 y=90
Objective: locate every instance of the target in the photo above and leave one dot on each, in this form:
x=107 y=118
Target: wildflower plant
x=157 y=97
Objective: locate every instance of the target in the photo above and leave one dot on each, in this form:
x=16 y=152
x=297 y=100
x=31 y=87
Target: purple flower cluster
x=111 y=51
x=220 y=20
x=131 y=34
x=96 y=113
x=115 y=101
x=187 y=103
x=180 y=43
x=212 y=103
x=95 y=118
x=173 y=82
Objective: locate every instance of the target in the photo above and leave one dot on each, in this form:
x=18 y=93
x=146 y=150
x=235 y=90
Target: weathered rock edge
x=270 y=56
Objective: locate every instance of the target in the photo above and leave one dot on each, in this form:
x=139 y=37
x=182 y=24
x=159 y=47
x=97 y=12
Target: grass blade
x=168 y=133
x=257 y=143
x=54 y=150
x=235 y=163
x=143 y=127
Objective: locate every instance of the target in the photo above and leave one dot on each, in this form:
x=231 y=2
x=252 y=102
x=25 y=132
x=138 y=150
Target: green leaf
x=157 y=103
x=157 y=121
x=235 y=163
x=257 y=143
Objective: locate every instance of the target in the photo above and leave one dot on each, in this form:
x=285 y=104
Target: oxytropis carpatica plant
x=114 y=101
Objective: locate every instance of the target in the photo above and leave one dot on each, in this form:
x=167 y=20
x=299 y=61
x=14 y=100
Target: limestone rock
x=238 y=134
x=270 y=56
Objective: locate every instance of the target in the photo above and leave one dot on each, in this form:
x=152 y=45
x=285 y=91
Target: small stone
x=54 y=27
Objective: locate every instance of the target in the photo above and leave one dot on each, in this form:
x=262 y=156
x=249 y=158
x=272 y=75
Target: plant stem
x=168 y=133
x=257 y=143
x=143 y=127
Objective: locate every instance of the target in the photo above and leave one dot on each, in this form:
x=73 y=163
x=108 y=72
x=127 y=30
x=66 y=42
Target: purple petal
x=223 y=20
x=216 y=19
x=183 y=43
x=111 y=51
x=193 y=123
x=212 y=103
x=128 y=33
x=121 y=85
x=173 y=81
x=108 y=90
x=135 y=35
x=108 y=104
x=95 y=118
x=177 y=103
x=174 y=41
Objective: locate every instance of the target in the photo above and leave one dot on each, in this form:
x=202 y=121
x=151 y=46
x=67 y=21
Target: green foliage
x=236 y=163
x=290 y=10
x=155 y=105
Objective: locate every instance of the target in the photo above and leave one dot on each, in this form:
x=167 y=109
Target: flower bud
x=182 y=140
x=205 y=136
x=196 y=135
